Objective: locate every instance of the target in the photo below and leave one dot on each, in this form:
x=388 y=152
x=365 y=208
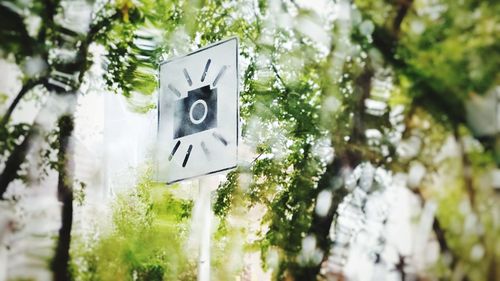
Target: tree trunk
x=320 y=225
x=332 y=179
x=60 y=264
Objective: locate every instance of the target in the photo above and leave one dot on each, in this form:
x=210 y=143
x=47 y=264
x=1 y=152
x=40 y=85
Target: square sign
x=198 y=113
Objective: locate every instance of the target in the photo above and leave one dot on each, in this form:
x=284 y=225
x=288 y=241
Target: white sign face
x=198 y=113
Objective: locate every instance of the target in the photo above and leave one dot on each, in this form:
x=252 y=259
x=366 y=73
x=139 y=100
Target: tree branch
x=25 y=89
x=94 y=30
x=387 y=41
x=278 y=76
x=466 y=169
x=295 y=4
x=404 y=7
x=13 y=33
x=440 y=236
x=48 y=19
x=15 y=159
x=364 y=82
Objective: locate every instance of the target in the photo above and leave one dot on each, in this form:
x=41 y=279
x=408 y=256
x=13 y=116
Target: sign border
x=237 y=102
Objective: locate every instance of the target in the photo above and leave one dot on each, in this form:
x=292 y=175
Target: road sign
x=198 y=113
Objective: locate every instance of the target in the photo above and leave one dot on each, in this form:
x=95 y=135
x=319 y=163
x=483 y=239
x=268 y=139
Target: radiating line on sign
x=174 y=150
x=205 y=149
x=188 y=78
x=220 y=138
x=187 y=155
x=206 y=69
x=174 y=89
x=219 y=75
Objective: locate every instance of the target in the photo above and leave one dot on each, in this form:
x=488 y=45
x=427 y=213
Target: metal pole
x=205 y=186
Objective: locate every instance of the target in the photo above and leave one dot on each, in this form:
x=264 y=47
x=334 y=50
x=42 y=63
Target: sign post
x=198 y=125
x=205 y=185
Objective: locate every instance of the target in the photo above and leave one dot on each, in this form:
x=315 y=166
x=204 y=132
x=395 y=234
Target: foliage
x=150 y=228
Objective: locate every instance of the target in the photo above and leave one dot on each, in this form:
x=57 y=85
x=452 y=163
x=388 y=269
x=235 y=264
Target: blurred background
x=370 y=141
